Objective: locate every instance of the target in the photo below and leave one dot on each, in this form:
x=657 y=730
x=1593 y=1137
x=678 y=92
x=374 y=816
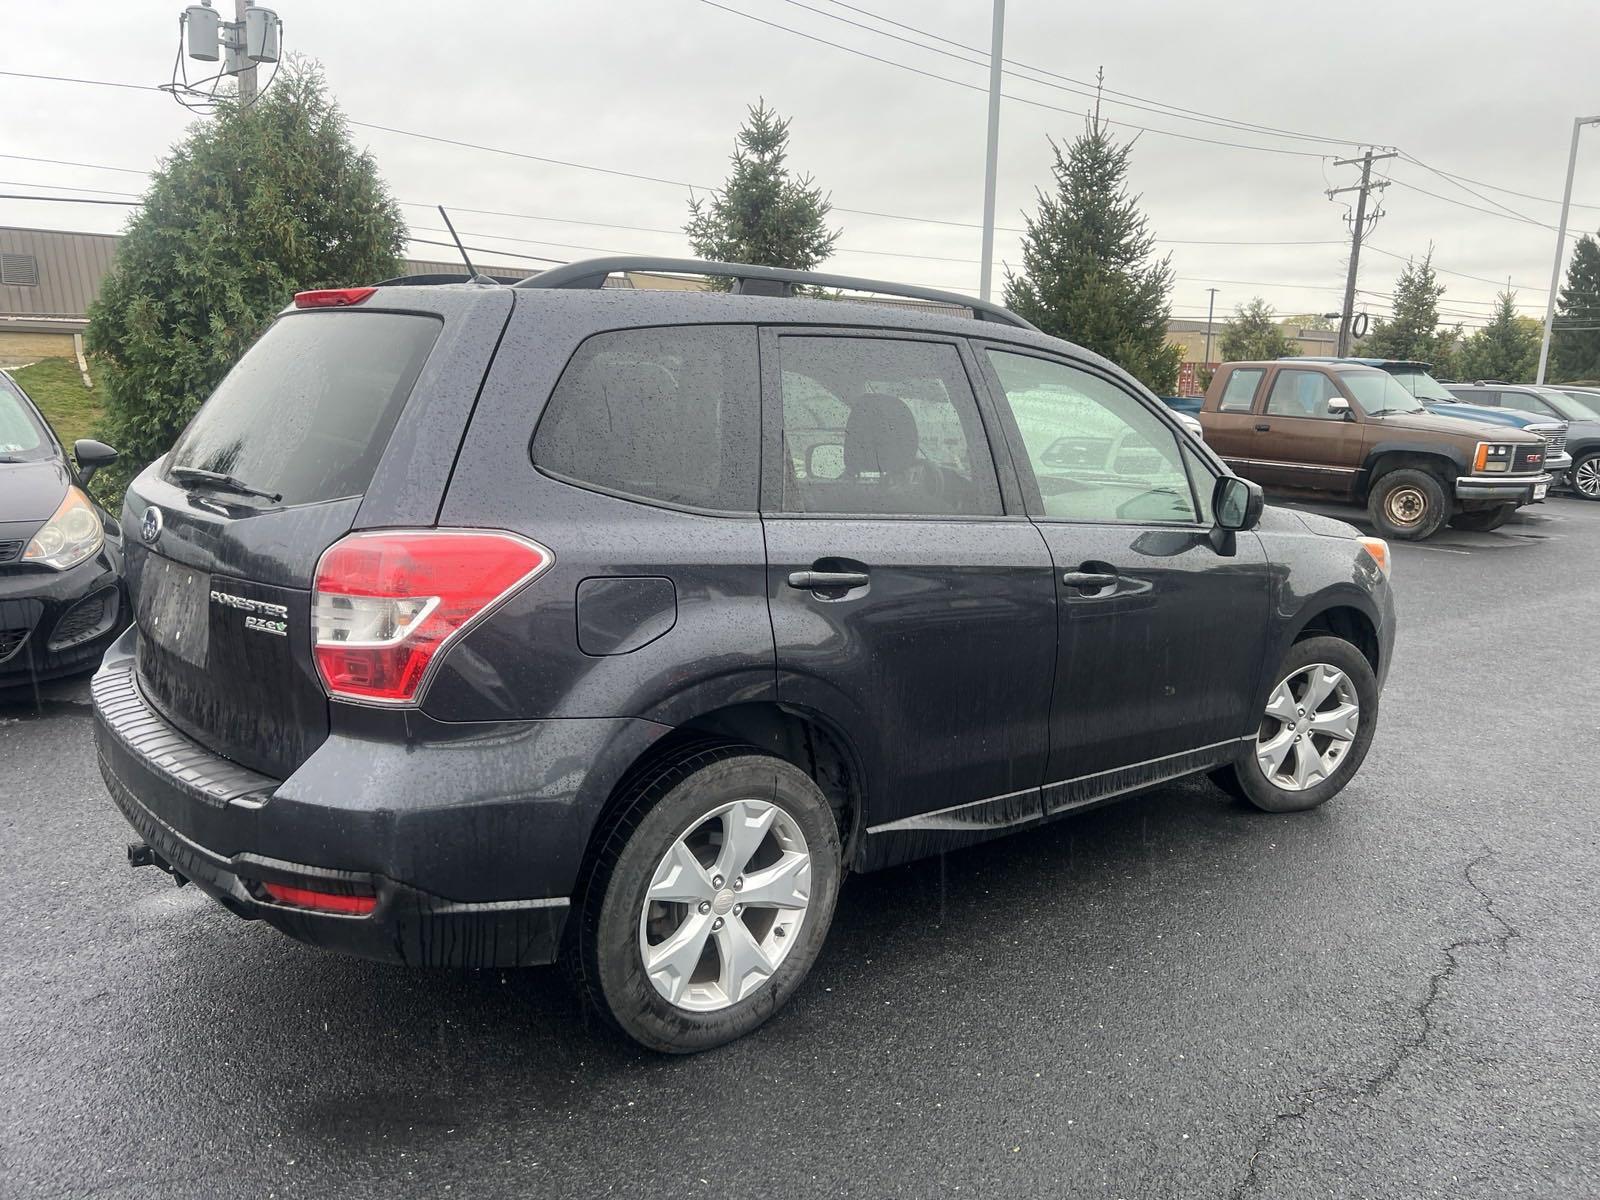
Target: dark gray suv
x=485 y=626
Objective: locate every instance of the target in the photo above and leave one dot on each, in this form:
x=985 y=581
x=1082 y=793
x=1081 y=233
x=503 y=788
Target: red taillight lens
x=387 y=603
x=332 y=297
x=328 y=902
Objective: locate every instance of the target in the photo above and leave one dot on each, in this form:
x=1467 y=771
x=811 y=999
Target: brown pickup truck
x=1349 y=432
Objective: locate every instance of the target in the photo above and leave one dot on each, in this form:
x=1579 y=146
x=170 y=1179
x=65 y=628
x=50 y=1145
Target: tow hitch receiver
x=141 y=855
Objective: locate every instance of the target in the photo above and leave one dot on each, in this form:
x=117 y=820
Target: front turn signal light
x=1378 y=550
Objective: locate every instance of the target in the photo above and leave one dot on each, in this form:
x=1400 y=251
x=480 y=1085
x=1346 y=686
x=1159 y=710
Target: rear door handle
x=1088 y=580
x=827 y=581
x=1262 y=427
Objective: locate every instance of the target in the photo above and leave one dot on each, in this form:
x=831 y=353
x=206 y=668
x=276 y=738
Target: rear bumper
x=471 y=845
x=1518 y=489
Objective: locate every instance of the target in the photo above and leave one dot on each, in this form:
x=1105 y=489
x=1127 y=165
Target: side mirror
x=91 y=456
x=1237 y=503
x=1339 y=407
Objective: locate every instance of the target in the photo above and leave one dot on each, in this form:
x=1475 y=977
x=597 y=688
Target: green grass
x=56 y=387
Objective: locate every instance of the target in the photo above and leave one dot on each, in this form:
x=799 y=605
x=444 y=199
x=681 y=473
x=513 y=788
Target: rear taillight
x=386 y=604
x=332 y=297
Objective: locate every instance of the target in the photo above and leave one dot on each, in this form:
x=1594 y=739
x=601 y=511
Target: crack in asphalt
x=1422 y=1010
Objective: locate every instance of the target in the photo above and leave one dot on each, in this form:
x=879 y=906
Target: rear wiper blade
x=222 y=482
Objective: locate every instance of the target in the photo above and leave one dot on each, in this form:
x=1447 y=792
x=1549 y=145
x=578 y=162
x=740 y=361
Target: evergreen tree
x=1253 y=334
x=763 y=214
x=1413 y=331
x=1507 y=348
x=1575 y=342
x=253 y=205
x=1088 y=274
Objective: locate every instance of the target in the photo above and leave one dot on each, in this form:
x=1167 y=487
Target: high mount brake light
x=386 y=604
x=332 y=297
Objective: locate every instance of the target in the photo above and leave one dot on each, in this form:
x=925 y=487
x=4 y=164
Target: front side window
x=874 y=426
x=1527 y=402
x=1097 y=453
x=668 y=415
x=1305 y=394
x=1241 y=390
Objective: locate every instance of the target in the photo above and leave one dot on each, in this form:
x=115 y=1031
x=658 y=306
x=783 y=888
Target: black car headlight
x=1492 y=456
x=72 y=535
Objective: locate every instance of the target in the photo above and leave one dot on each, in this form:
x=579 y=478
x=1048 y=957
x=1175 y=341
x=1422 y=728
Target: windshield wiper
x=222 y=482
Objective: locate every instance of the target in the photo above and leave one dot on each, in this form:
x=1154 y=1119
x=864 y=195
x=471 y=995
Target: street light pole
x=1561 y=245
x=995 y=43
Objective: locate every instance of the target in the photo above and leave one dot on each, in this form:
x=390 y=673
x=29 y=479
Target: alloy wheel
x=1310 y=723
x=1586 y=478
x=725 y=905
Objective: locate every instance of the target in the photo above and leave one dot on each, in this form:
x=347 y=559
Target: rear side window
x=874 y=426
x=308 y=410
x=670 y=415
x=1241 y=390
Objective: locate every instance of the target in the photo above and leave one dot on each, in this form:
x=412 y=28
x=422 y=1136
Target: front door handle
x=1088 y=581
x=1262 y=427
x=827 y=581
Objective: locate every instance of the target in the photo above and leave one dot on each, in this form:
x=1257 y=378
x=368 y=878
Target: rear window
x=309 y=408
x=668 y=415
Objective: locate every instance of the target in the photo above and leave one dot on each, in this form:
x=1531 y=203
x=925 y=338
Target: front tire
x=1481 y=520
x=709 y=900
x=1408 y=504
x=1585 y=477
x=1315 y=732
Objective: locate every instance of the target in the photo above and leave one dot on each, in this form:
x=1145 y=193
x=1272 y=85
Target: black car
x=61 y=596
x=482 y=625
x=1579 y=409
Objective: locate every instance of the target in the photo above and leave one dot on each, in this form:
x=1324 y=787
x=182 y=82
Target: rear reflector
x=387 y=604
x=332 y=297
x=328 y=902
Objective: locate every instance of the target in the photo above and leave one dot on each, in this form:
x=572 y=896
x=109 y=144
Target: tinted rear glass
x=669 y=415
x=309 y=408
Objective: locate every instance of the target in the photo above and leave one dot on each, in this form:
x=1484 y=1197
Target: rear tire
x=1585 y=477
x=720 y=963
x=1408 y=504
x=1481 y=520
x=1331 y=757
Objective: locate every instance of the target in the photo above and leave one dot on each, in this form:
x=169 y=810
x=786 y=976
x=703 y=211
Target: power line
x=1082 y=88
x=70 y=199
x=1176 y=110
x=811 y=37
x=61 y=162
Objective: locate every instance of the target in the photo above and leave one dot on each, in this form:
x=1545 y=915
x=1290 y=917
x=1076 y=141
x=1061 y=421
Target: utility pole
x=1211 y=305
x=239 y=66
x=1561 y=246
x=1358 y=232
x=996 y=41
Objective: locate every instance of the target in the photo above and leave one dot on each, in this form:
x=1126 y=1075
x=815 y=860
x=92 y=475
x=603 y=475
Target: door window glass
x=876 y=426
x=669 y=415
x=1304 y=394
x=1527 y=402
x=1097 y=453
x=1241 y=390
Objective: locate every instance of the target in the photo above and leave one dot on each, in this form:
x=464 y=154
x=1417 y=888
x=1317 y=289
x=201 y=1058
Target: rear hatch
x=300 y=443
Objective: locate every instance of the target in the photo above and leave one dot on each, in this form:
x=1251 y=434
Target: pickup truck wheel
x=1408 y=504
x=710 y=900
x=1314 y=734
x=1586 y=476
x=1481 y=520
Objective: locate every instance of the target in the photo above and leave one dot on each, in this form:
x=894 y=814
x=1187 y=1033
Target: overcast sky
x=658 y=87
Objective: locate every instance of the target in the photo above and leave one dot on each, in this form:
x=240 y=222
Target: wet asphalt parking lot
x=1174 y=996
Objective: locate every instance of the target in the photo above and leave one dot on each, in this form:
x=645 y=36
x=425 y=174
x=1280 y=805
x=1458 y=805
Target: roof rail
x=446 y=277
x=591 y=273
